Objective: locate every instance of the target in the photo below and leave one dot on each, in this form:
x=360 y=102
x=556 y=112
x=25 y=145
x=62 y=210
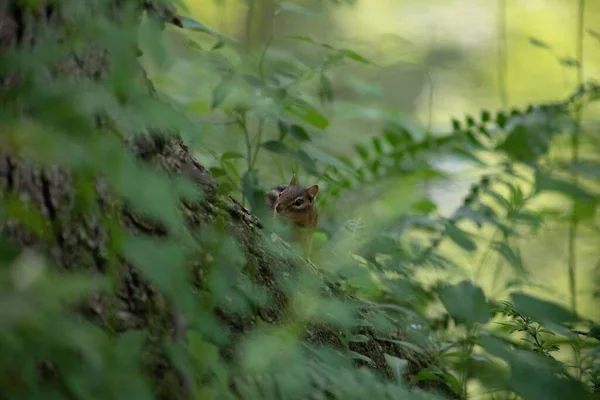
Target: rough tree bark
x=76 y=240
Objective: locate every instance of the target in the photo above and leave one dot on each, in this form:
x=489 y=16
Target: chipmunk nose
x=278 y=208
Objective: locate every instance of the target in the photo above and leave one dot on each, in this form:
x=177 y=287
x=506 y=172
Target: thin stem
x=430 y=110
x=248 y=27
x=502 y=62
x=572 y=260
x=243 y=125
x=263 y=56
x=257 y=139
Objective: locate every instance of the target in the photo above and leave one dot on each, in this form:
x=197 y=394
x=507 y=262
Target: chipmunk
x=296 y=204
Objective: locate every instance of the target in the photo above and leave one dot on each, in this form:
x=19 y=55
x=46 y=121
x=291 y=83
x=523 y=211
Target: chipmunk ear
x=293 y=180
x=312 y=191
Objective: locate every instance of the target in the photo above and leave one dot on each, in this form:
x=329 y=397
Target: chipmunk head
x=297 y=203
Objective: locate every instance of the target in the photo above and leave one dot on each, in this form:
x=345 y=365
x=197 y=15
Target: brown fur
x=296 y=204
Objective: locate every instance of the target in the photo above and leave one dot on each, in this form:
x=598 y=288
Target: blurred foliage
x=258 y=322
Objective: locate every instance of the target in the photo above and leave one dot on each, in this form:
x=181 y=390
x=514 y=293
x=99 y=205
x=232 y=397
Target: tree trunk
x=81 y=239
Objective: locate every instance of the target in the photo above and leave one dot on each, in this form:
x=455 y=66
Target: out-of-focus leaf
x=357 y=57
x=276 y=146
x=299 y=133
x=545 y=182
x=305 y=161
x=587 y=168
x=190 y=23
x=162 y=261
x=460 y=237
x=424 y=206
x=542 y=310
x=295 y=8
x=568 y=62
x=539 y=43
x=359 y=338
x=325 y=89
x=513 y=258
x=533 y=376
x=593 y=33
x=525 y=144
x=466 y=303
x=397 y=365
x=357 y=356
x=284 y=129
x=220 y=93
x=307 y=113
x=231 y=155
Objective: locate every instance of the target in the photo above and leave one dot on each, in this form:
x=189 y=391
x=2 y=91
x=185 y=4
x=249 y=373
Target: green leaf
x=466 y=303
x=359 y=338
x=305 y=161
x=485 y=116
x=524 y=144
x=217 y=172
x=513 y=258
x=231 y=155
x=539 y=43
x=460 y=237
x=542 y=310
x=307 y=113
x=377 y=144
x=284 y=129
x=357 y=57
x=295 y=8
x=220 y=93
x=408 y=345
x=397 y=365
x=362 y=151
x=357 y=356
x=568 y=62
x=593 y=33
x=548 y=183
x=396 y=134
x=501 y=119
x=533 y=376
x=585 y=210
x=276 y=146
x=299 y=133
x=192 y=24
x=325 y=89
x=424 y=206
x=587 y=168
x=162 y=261
x=326 y=158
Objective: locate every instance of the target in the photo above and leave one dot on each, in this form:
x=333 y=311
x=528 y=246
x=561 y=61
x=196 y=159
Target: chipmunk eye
x=298 y=202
